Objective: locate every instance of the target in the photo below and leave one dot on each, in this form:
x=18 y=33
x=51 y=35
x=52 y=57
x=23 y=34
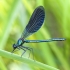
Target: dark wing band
x=35 y=22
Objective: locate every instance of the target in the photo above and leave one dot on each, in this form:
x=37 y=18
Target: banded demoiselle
x=33 y=26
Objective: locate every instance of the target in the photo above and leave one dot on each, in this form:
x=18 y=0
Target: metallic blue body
x=48 y=40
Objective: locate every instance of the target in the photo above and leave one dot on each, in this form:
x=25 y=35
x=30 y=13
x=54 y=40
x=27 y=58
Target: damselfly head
x=14 y=46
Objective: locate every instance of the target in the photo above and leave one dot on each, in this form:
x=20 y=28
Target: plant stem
x=26 y=60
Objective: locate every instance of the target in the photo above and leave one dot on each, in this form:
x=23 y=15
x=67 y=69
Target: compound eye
x=14 y=46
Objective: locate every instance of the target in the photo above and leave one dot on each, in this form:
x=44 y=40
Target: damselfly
x=33 y=26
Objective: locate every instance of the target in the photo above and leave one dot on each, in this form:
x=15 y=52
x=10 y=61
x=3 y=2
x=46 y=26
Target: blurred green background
x=14 y=16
